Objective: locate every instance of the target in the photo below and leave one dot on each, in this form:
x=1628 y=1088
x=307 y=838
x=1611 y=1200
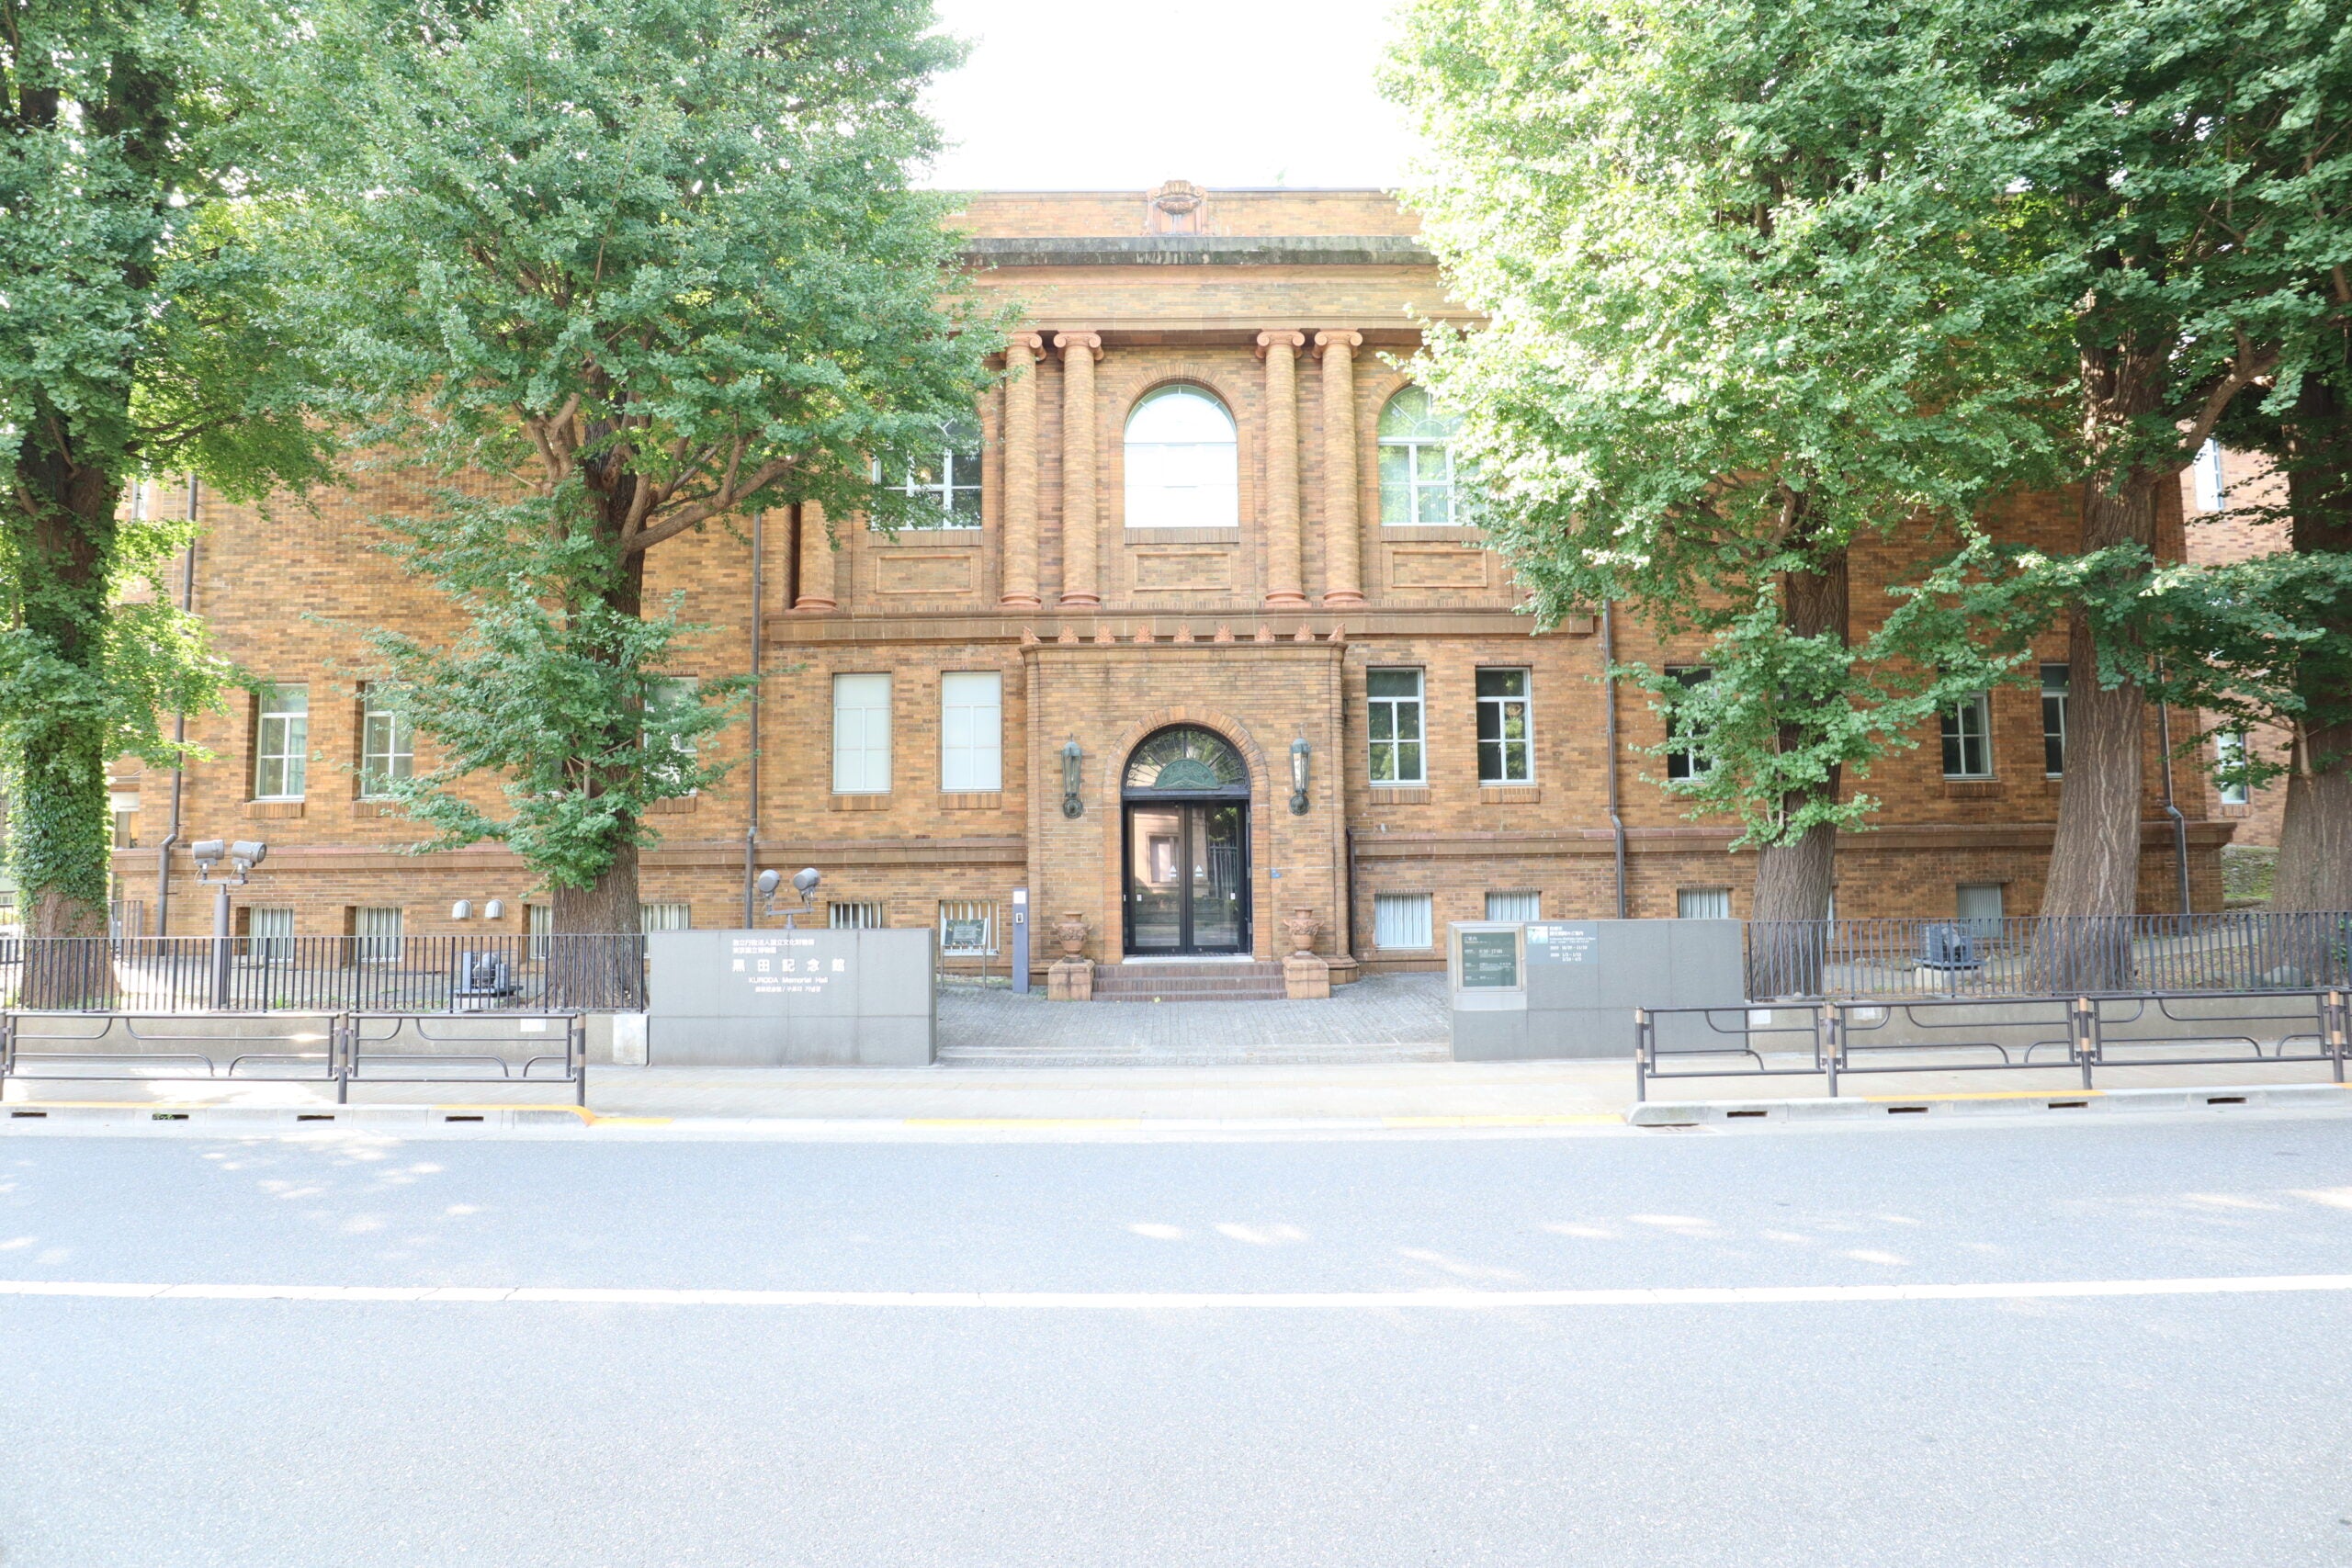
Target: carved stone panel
x=923 y=571
x=1436 y=566
x=1176 y=569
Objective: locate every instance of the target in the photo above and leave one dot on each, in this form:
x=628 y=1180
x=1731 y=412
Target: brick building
x=1200 y=642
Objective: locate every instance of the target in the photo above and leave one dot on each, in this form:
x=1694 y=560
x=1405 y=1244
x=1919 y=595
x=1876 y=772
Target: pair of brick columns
x=1080 y=546
x=1343 y=552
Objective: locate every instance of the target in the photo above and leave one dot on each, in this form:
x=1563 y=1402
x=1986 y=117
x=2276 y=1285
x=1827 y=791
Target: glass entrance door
x=1188 y=877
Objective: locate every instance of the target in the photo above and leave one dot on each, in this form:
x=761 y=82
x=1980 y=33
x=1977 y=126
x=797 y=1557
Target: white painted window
x=1419 y=470
x=1978 y=905
x=854 y=915
x=1968 y=738
x=376 y=935
x=1402 y=920
x=945 y=484
x=2212 y=490
x=269 y=935
x=967 y=927
x=971 y=731
x=1524 y=905
x=1688 y=758
x=2056 y=680
x=387 y=748
x=1393 y=721
x=281 y=742
x=2229 y=759
x=665 y=917
x=1703 y=903
x=1506 y=728
x=1183 y=462
x=861 y=735
x=539 y=926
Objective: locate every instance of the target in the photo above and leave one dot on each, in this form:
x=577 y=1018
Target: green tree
x=137 y=301
x=1732 y=331
x=646 y=264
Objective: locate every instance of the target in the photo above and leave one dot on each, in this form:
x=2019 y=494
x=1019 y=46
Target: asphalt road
x=1103 y=1425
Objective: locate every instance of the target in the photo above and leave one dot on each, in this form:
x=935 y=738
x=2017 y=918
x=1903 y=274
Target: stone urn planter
x=1301 y=925
x=1070 y=932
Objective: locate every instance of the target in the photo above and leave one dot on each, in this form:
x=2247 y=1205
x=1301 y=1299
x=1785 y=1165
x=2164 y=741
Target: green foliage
x=609 y=272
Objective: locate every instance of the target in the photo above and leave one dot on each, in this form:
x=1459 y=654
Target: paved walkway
x=1382 y=1018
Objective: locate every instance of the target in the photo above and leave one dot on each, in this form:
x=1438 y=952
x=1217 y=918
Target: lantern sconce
x=1299 y=751
x=1071 y=757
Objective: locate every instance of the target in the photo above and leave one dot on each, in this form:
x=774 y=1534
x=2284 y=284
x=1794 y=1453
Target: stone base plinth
x=1070 y=980
x=1306 y=978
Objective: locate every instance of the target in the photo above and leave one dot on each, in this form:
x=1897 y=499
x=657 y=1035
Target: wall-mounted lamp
x=1071 y=758
x=463 y=909
x=242 y=856
x=1299 y=751
x=804 y=882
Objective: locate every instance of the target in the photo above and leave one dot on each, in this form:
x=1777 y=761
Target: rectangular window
x=2054 y=681
x=387 y=748
x=1703 y=903
x=967 y=927
x=971 y=731
x=944 y=484
x=376 y=935
x=1968 y=738
x=665 y=917
x=1688 y=759
x=1978 y=905
x=2212 y=492
x=855 y=916
x=2229 y=758
x=269 y=935
x=539 y=926
x=1402 y=920
x=861 y=735
x=1506 y=754
x=1392 y=719
x=281 y=742
x=1521 y=906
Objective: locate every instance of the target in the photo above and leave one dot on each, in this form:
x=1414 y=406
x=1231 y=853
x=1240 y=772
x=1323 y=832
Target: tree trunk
x=1790 y=906
x=2315 y=839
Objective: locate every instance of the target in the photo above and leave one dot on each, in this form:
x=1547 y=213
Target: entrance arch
x=1184 y=801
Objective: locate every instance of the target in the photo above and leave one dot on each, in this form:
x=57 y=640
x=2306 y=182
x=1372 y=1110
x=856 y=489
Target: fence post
x=2336 y=1013
x=1835 y=1013
x=342 y=1046
x=2083 y=1018
x=1641 y=1054
x=576 y=1037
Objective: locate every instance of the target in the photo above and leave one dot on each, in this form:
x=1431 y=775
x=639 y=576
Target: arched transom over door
x=1187 y=845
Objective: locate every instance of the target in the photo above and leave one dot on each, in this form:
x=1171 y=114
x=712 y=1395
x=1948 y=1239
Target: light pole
x=243 y=855
x=804 y=882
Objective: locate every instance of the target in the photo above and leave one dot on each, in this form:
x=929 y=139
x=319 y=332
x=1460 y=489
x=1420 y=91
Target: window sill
x=273 y=810
x=1228 y=535
x=1409 y=794
x=1430 y=534
x=929 y=538
x=1974 y=789
x=1511 y=795
x=971 y=800
x=673 y=807
x=375 y=808
x=861 y=802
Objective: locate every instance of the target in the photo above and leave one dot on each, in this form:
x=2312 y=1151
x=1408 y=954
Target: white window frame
x=2230 y=749
x=281 y=742
x=1689 y=759
x=665 y=914
x=1395 y=709
x=1963 y=722
x=1501 y=706
x=856 y=915
x=862 y=732
x=1181 y=484
x=387 y=749
x=274 y=945
x=971 y=731
x=1403 y=922
x=2213 y=485
x=958 y=475
x=1703 y=903
x=538 y=929
x=1416 y=481
x=375 y=933
x=2054 y=693
x=1519 y=904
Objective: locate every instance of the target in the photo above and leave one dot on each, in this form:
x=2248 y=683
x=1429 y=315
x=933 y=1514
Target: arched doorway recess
x=1185 y=799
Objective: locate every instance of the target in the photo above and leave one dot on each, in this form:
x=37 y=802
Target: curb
x=1863 y=1108
x=126 y=1114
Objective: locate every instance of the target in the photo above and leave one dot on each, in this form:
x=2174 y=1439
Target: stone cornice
x=981 y=625
x=1203 y=250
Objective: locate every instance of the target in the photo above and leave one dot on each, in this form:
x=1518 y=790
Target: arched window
x=945 y=485
x=1182 y=462
x=1419 y=475
x=1186 y=760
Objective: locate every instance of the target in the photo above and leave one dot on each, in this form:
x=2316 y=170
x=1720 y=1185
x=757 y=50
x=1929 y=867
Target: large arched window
x=1419 y=478
x=1182 y=462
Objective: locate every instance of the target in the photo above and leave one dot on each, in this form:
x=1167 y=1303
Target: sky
x=1121 y=95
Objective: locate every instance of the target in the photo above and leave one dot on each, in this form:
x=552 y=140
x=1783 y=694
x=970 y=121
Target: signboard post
x=1021 y=940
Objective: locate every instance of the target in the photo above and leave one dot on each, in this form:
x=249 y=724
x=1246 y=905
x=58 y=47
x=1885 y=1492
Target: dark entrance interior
x=1187 y=853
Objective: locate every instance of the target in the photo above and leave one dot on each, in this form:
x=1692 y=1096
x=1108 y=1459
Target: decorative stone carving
x=1070 y=932
x=1301 y=925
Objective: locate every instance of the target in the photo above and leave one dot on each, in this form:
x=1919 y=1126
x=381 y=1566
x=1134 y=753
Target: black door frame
x=1189 y=805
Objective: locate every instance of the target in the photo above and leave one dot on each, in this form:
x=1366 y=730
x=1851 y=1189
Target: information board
x=1490 y=961
x=770 y=967
x=1559 y=945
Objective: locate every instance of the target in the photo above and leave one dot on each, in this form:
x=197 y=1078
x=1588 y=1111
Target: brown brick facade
x=1252 y=632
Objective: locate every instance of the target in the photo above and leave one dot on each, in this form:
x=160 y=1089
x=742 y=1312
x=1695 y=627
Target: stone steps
x=1188 y=982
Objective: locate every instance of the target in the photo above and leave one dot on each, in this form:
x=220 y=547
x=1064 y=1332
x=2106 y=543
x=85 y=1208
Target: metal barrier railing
x=340 y=1048
x=2247 y=949
x=2082 y=1033
x=241 y=975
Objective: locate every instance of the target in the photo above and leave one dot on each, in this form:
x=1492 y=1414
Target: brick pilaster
x=1081 y=550
x=1342 y=546
x=1284 y=578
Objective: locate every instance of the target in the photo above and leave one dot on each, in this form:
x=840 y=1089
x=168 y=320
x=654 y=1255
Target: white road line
x=1163 y=1300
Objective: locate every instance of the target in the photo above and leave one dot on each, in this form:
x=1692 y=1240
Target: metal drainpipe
x=1608 y=732
x=752 y=810
x=179 y=736
x=2172 y=809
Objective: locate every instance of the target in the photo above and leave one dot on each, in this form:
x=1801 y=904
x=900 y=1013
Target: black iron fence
x=2255 y=950
x=1961 y=1034
x=321 y=973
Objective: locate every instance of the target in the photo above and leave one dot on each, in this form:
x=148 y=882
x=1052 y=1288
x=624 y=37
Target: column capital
x=1283 y=336
x=1033 y=341
x=1088 y=344
x=1338 y=338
